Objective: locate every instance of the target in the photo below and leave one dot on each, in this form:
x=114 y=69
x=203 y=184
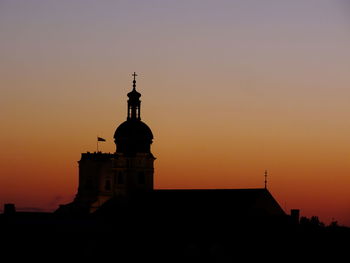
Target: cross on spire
x=134 y=81
x=134 y=75
x=265 y=179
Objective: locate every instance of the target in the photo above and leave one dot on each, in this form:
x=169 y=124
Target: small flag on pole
x=99 y=139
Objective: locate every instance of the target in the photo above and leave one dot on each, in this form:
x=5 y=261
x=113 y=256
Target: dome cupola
x=133 y=135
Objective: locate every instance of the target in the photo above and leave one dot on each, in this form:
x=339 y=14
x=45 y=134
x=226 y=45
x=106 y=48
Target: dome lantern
x=134 y=103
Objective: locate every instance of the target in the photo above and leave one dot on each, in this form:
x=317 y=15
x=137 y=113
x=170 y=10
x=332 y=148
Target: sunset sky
x=229 y=89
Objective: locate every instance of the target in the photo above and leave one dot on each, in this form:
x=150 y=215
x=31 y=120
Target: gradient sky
x=229 y=88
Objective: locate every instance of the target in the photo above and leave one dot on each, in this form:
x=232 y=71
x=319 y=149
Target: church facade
x=127 y=177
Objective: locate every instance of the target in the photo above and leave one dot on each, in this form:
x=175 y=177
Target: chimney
x=9 y=209
x=294 y=215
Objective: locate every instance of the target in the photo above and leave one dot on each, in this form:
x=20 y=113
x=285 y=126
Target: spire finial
x=134 y=81
x=265 y=179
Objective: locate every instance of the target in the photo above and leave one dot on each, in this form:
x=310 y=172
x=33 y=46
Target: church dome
x=133 y=136
x=133 y=129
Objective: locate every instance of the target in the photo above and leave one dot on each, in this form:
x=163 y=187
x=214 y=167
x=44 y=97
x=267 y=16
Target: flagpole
x=97 y=143
x=99 y=139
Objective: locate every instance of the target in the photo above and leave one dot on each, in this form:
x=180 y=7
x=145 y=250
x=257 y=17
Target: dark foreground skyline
x=158 y=237
x=232 y=88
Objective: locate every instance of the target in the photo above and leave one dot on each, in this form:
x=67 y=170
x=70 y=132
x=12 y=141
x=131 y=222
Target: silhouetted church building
x=108 y=182
x=126 y=172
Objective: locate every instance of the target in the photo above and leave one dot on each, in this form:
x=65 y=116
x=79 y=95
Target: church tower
x=133 y=160
x=126 y=172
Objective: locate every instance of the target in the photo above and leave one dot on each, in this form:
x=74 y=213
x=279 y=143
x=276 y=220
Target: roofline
x=211 y=189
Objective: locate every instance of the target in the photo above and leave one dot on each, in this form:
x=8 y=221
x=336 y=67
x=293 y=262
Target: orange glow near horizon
x=229 y=90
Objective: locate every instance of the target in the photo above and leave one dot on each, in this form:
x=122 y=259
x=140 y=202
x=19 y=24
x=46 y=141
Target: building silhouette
x=109 y=182
x=118 y=215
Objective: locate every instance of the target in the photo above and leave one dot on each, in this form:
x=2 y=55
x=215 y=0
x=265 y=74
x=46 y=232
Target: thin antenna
x=265 y=175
